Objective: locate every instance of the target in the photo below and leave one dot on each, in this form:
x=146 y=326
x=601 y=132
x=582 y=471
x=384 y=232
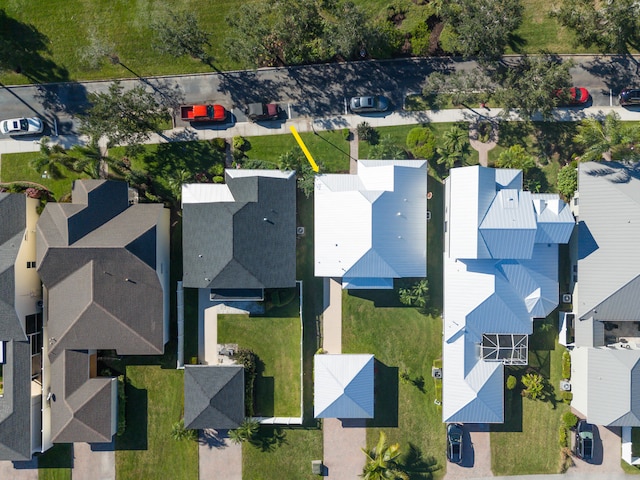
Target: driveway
x=94 y=462
x=476 y=454
x=606 y=453
x=19 y=470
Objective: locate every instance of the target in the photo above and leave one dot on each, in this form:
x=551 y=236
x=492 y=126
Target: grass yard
x=282 y=453
x=56 y=38
x=14 y=167
x=402 y=339
x=527 y=443
x=276 y=341
x=155 y=401
x=56 y=463
x=399 y=133
x=327 y=147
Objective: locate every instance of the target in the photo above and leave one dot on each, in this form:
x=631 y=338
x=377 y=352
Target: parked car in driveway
x=573 y=96
x=22 y=126
x=376 y=103
x=454 y=443
x=629 y=96
x=584 y=440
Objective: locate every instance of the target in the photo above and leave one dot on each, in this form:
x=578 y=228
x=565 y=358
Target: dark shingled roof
x=248 y=243
x=15 y=404
x=103 y=289
x=213 y=396
x=80 y=406
x=97 y=260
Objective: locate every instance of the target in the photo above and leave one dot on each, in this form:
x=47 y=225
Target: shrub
x=567 y=397
x=566 y=365
x=367 y=133
x=346 y=134
x=241 y=143
x=421 y=142
x=511 y=382
x=569 y=420
x=563 y=437
x=249 y=360
x=219 y=143
x=179 y=432
x=216 y=169
x=420 y=39
x=218 y=179
x=246 y=432
x=122 y=403
x=534 y=386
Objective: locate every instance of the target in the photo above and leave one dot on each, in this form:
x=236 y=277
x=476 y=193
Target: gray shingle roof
x=80 y=406
x=97 y=260
x=15 y=404
x=213 y=396
x=104 y=292
x=248 y=243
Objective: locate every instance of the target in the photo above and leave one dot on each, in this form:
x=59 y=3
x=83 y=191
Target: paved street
x=304 y=91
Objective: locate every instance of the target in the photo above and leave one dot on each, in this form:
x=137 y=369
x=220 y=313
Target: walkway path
x=218 y=457
x=332 y=316
x=342 y=439
x=482 y=147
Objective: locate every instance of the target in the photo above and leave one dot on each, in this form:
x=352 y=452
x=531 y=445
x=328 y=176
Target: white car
x=22 y=126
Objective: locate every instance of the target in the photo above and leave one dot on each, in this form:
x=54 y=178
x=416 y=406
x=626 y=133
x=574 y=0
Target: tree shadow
x=69 y=98
x=23 y=46
x=269 y=438
x=417 y=466
x=617 y=71
x=556 y=139
x=516 y=42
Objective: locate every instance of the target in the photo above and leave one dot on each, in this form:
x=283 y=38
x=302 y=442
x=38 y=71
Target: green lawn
x=328 y=148
x=282 y=453
x=155 y=401
x=527 y=443
x=56 y=37
x=14 y=167
x=276 y=341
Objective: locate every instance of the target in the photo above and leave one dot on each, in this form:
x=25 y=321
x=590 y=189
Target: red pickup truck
x=203 y=113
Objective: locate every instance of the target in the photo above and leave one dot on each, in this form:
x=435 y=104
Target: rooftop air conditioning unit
x=436 y=372
x=566 y=298
x=565 y=386
x=300 y=230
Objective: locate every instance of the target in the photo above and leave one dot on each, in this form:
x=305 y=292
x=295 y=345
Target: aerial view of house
x=500 y=273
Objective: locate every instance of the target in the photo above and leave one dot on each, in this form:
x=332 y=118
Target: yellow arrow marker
x=314 y=166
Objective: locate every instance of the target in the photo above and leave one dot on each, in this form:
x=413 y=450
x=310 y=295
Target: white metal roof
x=205 y=193
x=239 y=172
x=373 y=224
x=343 y=386
x=497 y=278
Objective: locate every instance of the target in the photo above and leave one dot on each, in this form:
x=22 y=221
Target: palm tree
x=246 y=432
x=87 y=159
x=175 y=182
x=610 y=139
x=52 y=157
x=455 y=146
x=382 y=462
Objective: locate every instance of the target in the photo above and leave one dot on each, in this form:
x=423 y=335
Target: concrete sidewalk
x=350 y=121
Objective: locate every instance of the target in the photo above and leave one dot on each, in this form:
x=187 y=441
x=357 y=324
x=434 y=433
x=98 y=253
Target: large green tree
x=122 y=116
x=516 y=157
x=608 y=139
x=482 y=28
x=179 y=34
x=611 y=26
x=383 y=462
x=529 y=84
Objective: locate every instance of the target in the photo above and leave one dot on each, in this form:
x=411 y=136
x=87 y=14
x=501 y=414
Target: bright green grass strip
x=155 y=401
x=284 y=453
x=328 y=148
x=276 y=341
